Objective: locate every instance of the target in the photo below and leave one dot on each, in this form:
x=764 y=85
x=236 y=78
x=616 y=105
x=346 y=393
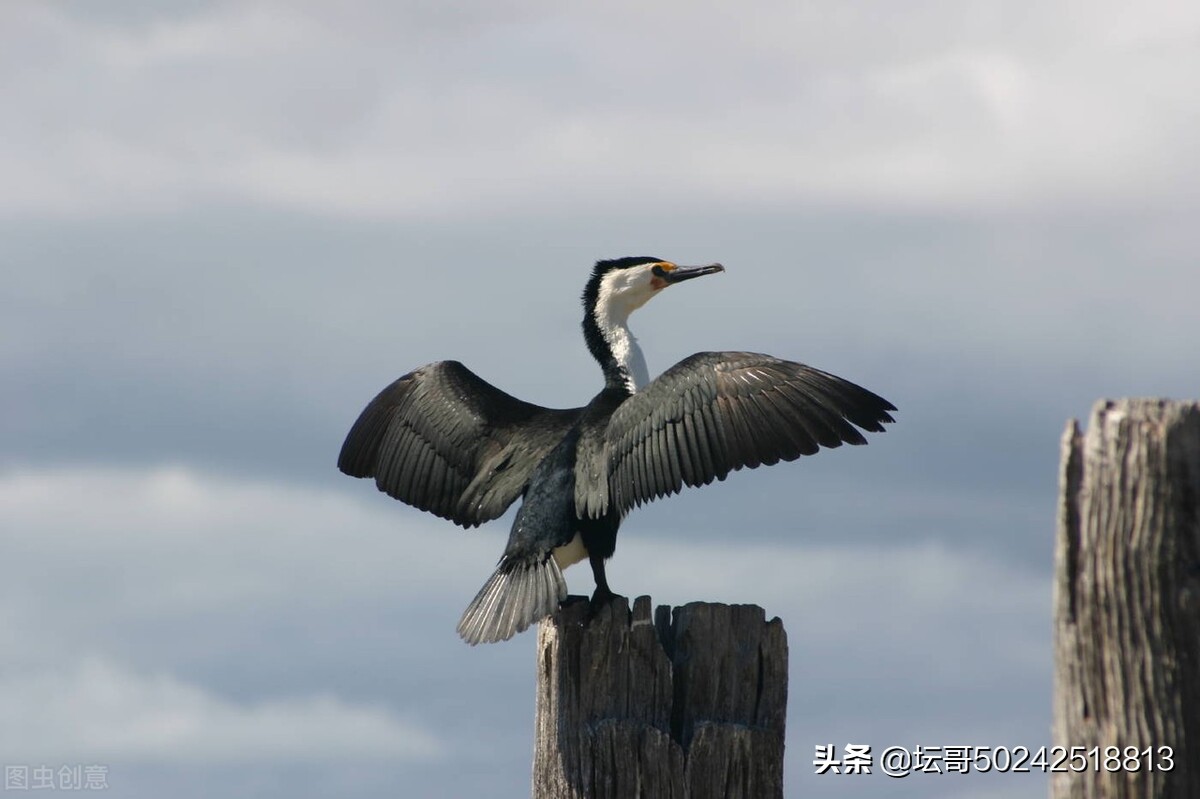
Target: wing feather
x=717 y=412
x=684 y=431
x=701 y=459
x=444 y=440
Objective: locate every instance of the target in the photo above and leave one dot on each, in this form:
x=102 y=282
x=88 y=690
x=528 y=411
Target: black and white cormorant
x=444 y=440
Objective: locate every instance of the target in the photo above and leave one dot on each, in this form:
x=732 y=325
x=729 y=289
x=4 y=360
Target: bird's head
x=619 y=287
x=616 y=289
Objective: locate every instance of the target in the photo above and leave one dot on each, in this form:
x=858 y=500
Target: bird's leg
x=603 y=594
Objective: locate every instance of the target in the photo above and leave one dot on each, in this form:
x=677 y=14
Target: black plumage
x=446 y=441
x=442 y=439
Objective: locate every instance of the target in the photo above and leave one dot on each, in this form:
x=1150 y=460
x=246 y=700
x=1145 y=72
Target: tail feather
x=517 y=594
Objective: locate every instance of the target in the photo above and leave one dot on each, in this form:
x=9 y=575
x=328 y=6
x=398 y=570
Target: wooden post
x=1127 y=599
x=634 y=707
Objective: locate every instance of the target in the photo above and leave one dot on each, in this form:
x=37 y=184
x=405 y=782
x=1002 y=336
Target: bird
x=444 y=440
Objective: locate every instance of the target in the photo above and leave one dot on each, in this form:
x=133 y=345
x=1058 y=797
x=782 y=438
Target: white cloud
x=96 y=710
x=404 y=110
x=169 y=541
x=218 y=34
x=99 y=556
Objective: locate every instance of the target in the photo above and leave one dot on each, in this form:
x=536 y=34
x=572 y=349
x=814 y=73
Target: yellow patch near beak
x=657 y=282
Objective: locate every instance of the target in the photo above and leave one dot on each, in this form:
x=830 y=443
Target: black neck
x=615 y=376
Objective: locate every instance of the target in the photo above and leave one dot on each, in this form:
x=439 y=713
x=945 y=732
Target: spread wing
x=445 y=440
x=716 y=412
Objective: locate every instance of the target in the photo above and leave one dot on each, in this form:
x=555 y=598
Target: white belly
x=570 y=554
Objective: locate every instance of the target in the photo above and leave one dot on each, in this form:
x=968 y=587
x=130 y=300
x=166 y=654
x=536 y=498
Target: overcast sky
x=225 y=226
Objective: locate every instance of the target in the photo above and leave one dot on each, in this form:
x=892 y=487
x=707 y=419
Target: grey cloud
x=226 y=611
x=249 y=343
x=415 y=111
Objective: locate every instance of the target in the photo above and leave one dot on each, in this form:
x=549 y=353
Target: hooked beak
x=682 y=273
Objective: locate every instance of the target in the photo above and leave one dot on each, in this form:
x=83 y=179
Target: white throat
x=614 y=305
x=628 y=354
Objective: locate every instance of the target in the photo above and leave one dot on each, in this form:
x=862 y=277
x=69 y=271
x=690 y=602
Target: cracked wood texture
x=688 y=704
x=1127 y=596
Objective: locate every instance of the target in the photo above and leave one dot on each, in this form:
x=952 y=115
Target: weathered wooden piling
x=1127 y=603
x=688 y=704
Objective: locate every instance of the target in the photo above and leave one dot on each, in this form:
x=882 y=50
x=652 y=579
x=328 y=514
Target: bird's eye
x=661 y=269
